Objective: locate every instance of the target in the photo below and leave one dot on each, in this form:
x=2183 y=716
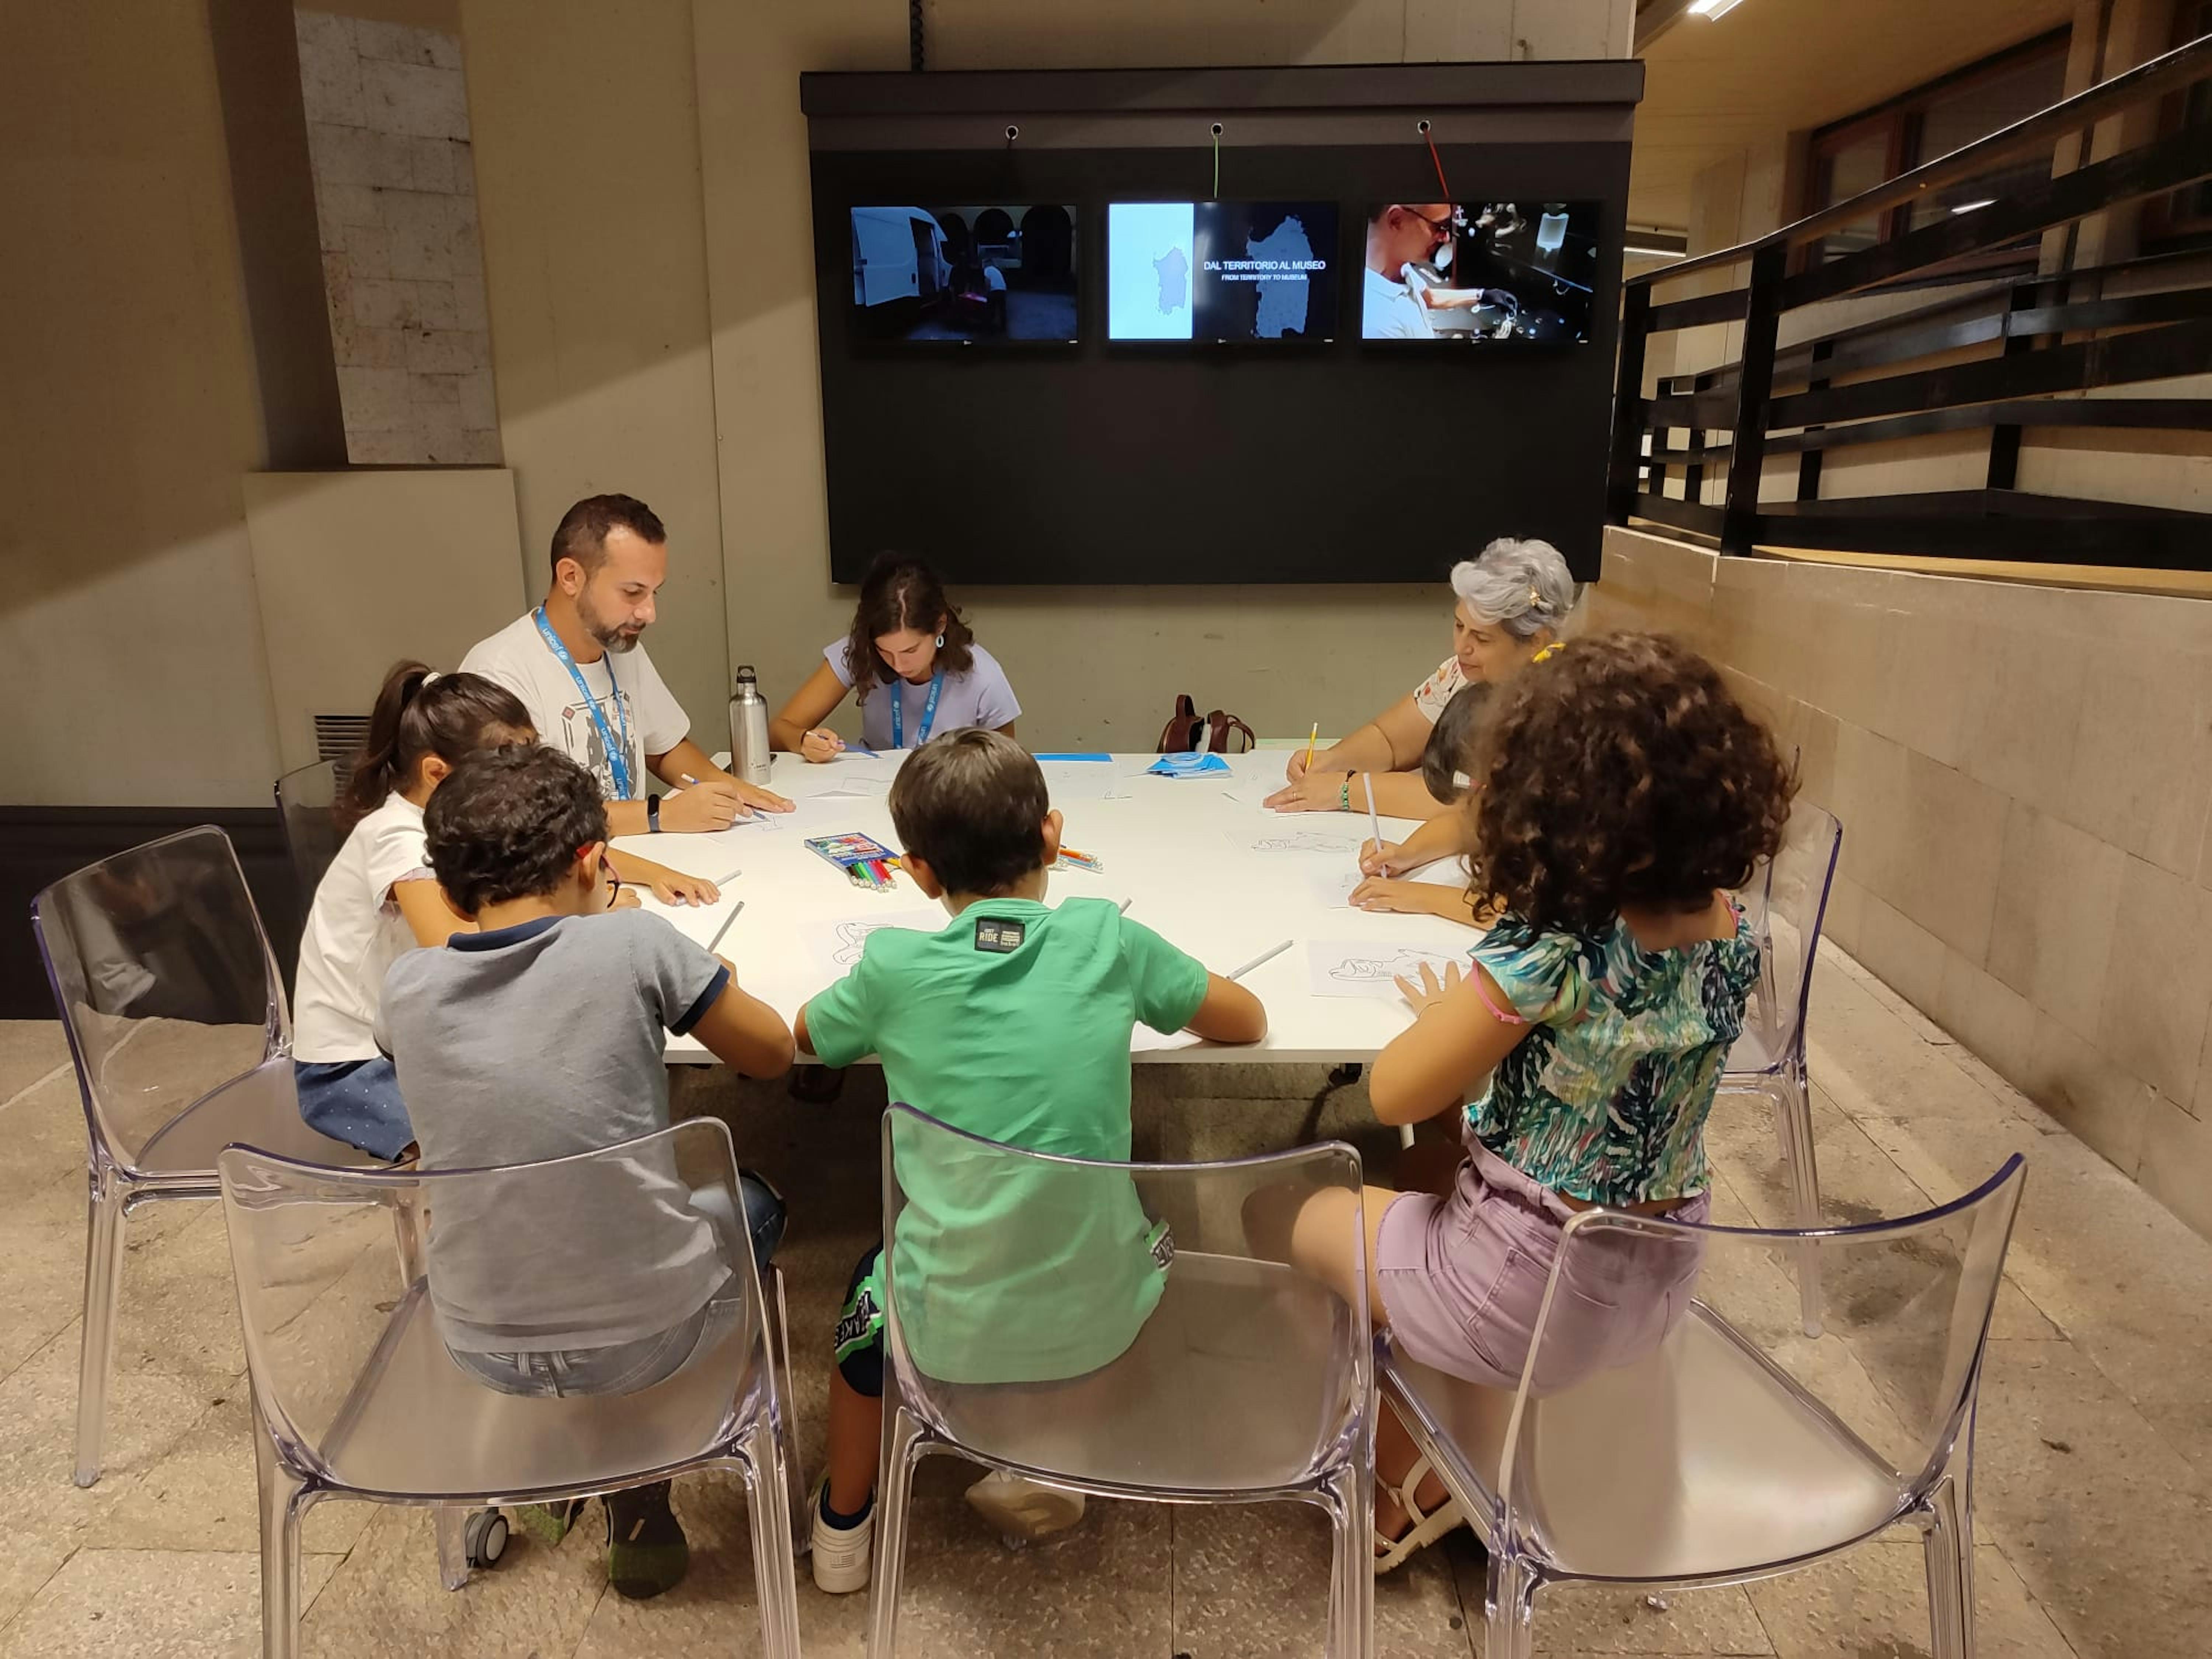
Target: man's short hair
x=508 y=825
x=972 y=803
x=582 y=533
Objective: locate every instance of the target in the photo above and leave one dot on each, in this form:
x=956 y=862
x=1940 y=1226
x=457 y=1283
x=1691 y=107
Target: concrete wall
x=2024 y=777
x=130 y=646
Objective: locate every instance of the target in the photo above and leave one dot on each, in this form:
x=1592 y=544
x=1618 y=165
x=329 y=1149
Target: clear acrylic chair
x=1740 y=1448
x=356 y=1395
x=167 y=989
x=1787 y=899
x=306 y=805
x=1246 y=1381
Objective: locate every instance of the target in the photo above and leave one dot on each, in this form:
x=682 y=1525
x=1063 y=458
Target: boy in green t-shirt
x=1013 y=1024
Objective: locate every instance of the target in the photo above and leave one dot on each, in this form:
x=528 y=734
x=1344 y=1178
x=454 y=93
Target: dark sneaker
x=647 y=1551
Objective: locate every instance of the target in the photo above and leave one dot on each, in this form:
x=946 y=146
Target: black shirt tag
x=1001 y=935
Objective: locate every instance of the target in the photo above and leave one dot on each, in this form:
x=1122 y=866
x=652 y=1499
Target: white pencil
x=1125 y=904
x=1374 y=823
x=725 y=928
x=724 y=881
x=1265 y=956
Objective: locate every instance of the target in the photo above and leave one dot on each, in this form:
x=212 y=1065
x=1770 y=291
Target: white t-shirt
x=1391 y=311
x=355 y=932
x=518 y=657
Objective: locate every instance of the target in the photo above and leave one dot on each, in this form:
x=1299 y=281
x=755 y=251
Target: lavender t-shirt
x=980 y=697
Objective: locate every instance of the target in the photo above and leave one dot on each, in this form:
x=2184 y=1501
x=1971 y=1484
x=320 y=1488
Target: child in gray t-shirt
x=540 y=1037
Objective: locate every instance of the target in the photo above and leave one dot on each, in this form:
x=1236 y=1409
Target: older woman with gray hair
x=1513 y=601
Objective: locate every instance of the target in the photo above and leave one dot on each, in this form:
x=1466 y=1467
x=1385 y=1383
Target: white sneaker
x=1022 y=1509
x=840 y=1553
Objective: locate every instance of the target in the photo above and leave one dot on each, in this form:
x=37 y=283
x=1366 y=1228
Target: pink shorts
x=1462 y=1279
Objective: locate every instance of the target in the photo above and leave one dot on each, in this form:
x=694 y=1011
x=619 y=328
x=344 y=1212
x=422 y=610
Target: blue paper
x=1075 y=757
x=1188 y=766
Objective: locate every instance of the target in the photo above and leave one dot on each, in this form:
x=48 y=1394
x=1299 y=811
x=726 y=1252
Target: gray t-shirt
x=538 y=1042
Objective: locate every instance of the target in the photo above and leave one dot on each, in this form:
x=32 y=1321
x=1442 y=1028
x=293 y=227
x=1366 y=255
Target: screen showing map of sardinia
x=1221 y=270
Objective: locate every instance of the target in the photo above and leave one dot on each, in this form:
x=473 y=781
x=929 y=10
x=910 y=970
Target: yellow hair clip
x=1551 y=650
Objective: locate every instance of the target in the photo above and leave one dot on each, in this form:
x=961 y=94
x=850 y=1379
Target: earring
x=940 y=641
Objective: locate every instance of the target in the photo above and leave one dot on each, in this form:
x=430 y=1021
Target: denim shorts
x=1463 y=1279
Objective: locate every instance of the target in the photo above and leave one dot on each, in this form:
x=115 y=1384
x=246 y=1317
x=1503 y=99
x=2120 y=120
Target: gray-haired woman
x=1513 y=600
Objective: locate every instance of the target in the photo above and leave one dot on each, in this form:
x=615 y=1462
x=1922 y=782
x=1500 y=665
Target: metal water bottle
x=749 y=756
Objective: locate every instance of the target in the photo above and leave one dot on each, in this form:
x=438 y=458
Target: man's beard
x=609 y=636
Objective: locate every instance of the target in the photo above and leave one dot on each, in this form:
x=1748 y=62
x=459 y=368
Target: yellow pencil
x=1310 y=742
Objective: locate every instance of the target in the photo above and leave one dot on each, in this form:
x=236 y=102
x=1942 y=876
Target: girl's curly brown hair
x=1621 y=771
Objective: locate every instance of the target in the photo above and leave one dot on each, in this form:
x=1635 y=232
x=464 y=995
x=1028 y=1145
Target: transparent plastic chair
x=359 y=1394
x=167 y=990
x=1107 y=1329
x=1787 y=900
x=307 y=802
x=1740 y=1447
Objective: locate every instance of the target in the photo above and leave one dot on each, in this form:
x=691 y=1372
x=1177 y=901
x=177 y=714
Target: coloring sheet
x=837 y=945
x=1288 y=835
x=1367 y=968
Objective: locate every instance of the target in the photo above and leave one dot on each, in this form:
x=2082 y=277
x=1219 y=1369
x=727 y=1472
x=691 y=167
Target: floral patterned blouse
x=1605 y=1099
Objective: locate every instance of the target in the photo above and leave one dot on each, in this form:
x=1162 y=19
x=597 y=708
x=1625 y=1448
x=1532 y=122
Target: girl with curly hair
x=1622 y=794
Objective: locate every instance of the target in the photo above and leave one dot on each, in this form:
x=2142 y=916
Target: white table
x=1178 y=848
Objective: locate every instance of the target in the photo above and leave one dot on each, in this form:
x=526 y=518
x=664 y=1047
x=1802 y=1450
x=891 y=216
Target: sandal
x=1424 y=1529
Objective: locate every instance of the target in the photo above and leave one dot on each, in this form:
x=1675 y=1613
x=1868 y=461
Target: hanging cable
x=1217 y=160
x=914 y=54
x=1441 y=183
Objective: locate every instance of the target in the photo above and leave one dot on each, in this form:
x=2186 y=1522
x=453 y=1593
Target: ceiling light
x=1969 y=207
x=1713 y=8
x=1657 y=252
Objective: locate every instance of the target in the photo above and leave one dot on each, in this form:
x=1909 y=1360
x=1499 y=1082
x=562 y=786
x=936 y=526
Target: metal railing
x=2016 y=350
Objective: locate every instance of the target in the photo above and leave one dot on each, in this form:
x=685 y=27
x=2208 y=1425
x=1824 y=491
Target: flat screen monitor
x=1480 y=273
x=1223 y=272
x=966 y=275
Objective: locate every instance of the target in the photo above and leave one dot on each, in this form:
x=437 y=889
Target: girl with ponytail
x=377 y=900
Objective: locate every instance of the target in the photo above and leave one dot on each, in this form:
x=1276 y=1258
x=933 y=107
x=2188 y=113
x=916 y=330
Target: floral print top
x=1605 y=1099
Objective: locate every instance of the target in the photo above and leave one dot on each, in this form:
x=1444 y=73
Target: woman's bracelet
x=1344 y=794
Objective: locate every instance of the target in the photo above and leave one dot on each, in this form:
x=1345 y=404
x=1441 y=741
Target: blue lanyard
x=929 y=711
x=618 y=758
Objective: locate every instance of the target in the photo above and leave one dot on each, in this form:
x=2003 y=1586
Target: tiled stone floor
x=2096 y=1493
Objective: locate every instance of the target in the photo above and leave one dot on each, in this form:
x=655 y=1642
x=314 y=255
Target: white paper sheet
x=1367 y=968
x=1333 y=887
x=1282 y=837
x=837 y=944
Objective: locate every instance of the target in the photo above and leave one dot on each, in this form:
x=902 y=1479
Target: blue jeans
x=627 y=1367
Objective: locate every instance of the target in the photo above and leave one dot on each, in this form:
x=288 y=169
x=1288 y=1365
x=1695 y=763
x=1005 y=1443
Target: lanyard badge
x=617 y=754
x=929 y=711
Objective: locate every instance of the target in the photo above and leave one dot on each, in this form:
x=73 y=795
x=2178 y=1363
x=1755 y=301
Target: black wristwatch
x=652 y=815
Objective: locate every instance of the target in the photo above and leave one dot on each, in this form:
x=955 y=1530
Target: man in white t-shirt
x=621 y=724
x=1400 y=234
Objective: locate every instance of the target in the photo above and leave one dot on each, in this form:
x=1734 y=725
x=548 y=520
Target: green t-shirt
x=1013 y=1024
